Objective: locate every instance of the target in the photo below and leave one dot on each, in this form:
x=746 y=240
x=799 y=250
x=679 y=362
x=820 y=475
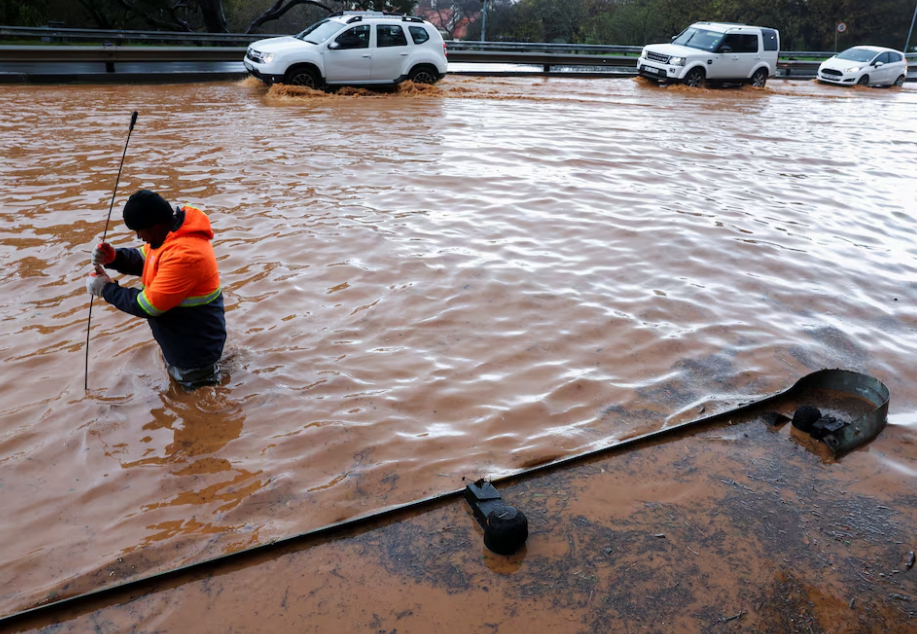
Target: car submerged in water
x=714 y=52
x=865 y=66
x=352 y=48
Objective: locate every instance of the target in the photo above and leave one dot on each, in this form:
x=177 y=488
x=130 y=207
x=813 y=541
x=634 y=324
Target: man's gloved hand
x=97 y=281
x=103 y=254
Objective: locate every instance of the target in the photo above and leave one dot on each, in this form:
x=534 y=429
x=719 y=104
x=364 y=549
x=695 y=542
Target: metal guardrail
x=550 y=63
x=460 y=45
x=548 y=56
x=61 y=34
x=112 y=54
x=52 y=34
x=55 y=34
x=115 y=54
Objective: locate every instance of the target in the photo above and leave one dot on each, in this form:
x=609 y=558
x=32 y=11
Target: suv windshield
x=319 y=32
x=698 y=38
x=857 y=54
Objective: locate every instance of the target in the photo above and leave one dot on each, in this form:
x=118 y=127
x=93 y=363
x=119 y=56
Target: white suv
x=352 y=47
x=716 y=52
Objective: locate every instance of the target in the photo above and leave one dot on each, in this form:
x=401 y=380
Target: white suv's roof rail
x=729 y=26
x=359 y=15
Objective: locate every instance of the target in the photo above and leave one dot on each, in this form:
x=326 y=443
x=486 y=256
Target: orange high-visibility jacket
x=183 y=271
x=181 y=296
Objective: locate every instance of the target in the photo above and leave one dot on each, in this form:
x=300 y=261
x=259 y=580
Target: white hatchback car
x=714 y=52
x=865 y=66
x=352 y=47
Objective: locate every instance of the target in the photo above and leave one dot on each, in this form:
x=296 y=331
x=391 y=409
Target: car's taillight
x=445 y=52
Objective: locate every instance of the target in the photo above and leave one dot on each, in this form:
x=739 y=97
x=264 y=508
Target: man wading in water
x=181 y=297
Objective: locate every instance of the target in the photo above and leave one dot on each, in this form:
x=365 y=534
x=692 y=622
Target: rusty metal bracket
x=860 y=431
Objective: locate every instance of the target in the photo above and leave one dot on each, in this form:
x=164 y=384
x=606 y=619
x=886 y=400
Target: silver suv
x=352 y=47
x=715 y=52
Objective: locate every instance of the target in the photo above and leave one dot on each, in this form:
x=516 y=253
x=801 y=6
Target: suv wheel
x=303 y=76
x=900 y=81
x=423 y=75
x=864 y=81
x=759 y=79
x=695 y=77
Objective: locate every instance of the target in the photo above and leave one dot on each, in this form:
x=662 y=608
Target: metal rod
x=871 y=423
x=104 y=234
x=911 y=30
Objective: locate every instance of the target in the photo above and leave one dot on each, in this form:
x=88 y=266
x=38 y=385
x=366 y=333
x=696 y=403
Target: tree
x=24 y=12
x=209 y=15
x=631 y=23
x=450 y=16
x=164 y=15
x=280 y=7
x=803 y=24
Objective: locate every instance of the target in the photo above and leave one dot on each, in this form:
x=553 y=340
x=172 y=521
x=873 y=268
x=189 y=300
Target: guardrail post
x=546 y=68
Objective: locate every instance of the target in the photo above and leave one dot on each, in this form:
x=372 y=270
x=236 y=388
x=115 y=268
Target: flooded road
x=422 y=287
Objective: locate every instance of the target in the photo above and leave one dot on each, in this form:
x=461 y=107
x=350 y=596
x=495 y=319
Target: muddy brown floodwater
x=428 y=285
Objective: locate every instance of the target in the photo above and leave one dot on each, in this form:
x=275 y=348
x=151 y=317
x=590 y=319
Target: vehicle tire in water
x=423 y=75
x=302 y=76
x=899 y=82
x=759 y=79
x=695 y=78
x=864 y=81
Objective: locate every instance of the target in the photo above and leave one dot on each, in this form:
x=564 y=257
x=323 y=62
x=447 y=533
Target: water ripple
x=457 y=283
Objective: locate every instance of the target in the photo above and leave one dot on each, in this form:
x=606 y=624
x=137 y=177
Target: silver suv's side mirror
x=877 y=64
x=334 y=45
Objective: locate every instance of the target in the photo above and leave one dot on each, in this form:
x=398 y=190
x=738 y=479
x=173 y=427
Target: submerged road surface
x=424 y=286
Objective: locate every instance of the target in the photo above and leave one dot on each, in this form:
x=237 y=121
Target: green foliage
x=803 y=24
x=24 y=12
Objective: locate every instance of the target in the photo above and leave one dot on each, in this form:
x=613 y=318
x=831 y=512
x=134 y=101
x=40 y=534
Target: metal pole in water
x=104 y=235
x=911 y=30
x=483 y=18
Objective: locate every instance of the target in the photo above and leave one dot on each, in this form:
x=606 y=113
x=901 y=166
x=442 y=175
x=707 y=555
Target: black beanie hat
x=146 y=209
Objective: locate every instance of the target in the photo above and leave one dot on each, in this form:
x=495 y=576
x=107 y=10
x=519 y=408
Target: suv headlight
x=643 y=52
x=677 y=61
x=267 y=58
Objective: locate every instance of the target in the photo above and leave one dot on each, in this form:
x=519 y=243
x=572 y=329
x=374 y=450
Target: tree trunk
x=155 y=22
x=213 y=16
x=99 y=18
x=278 y=9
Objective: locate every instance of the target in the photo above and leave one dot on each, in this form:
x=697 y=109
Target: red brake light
x=445 y=52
